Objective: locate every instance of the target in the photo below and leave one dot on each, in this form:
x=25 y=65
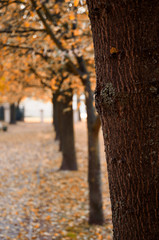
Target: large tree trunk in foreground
x=69 y=161
x=126 y=53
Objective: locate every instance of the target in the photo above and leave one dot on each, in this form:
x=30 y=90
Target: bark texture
x=125 y=35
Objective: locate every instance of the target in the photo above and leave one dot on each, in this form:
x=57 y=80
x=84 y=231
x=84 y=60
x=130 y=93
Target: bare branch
x=44 y=56
x=27 y=30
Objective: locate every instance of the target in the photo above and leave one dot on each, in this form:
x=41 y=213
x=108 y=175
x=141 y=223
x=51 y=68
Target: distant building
x=36 y=110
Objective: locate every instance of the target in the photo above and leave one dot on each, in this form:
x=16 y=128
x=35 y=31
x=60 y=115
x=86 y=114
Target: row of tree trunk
x=64 y=128
x=16 y=114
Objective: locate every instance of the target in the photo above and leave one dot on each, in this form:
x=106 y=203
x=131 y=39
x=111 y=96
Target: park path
x=36 y=200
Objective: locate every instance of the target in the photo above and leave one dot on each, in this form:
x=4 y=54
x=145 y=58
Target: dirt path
x=36 y=200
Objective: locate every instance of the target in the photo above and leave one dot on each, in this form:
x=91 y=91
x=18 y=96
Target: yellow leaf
x=113 y=50
x=48 y=218
x=37 y=225
x=72 y=17
x=67 y=110
x=1 y=67
x=60 y=98
x=27 y=24
x=76 y=2
x=76 y=32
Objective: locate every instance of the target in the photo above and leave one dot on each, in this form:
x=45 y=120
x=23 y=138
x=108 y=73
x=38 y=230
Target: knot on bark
x=104 y=97
x=108 y=94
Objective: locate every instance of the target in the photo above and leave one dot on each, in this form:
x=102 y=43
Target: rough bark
x=125 y=35
x=69 y=161
x=12 y=114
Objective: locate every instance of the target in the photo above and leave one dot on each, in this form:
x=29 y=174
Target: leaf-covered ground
x=36 y=200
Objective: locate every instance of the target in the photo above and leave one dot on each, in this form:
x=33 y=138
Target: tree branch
x=22 y=31
x=44 y=56
x=40 y=77
x=47 y=27
x=75 y=70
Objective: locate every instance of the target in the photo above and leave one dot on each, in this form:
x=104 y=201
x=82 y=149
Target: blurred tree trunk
x=94 y=169
x=1 y=113
x=56 y=115
x=69 y=161
x=64 y=128
x=12 y=113
x=19 y=113
x=60 y=116
x=125 y=35
x=78 y=109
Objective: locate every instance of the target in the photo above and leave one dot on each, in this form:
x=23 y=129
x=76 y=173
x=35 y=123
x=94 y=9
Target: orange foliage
x=33 y=63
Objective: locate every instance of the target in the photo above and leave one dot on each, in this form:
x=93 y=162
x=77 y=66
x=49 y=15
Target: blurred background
x=52 y=164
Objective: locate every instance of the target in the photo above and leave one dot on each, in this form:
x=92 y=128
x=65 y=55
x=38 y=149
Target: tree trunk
x=126 y=54
x=94 y=180
x=12 y=113
x=56 y=116
x=78 y=109
x=69 y=161
x=1 y=113
x=94 y=171
x=19 y=113
x=93 y=125
x=60 y=107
